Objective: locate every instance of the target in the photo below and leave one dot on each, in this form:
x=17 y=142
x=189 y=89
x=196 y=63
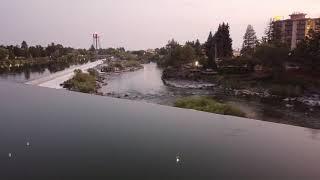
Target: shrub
x=3 y=53
x=93 y=72
x=81 y=82
x=208 y=104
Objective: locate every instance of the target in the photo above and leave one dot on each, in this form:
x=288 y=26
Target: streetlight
x=197 y=63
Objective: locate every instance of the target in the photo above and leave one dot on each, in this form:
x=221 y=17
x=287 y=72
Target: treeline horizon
x=268 y=51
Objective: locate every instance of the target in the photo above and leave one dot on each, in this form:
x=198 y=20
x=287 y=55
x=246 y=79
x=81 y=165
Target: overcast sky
x=137 y=24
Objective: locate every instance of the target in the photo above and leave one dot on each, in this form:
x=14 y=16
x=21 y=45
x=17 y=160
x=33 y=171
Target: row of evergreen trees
x=218 y=46
x=250 y=40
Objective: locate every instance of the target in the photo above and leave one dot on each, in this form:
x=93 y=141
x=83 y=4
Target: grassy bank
x=208 y=104
x=82 y=82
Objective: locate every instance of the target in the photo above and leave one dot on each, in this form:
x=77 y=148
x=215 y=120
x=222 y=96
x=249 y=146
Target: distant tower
x=96 y=41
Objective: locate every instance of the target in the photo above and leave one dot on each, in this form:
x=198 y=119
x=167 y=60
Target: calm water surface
x=80 y=136
x=33 y=74
x=24 y=76
x=145 y=81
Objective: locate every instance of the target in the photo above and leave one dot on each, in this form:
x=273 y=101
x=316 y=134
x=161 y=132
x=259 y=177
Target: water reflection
x=144 y=81
x=25 y=74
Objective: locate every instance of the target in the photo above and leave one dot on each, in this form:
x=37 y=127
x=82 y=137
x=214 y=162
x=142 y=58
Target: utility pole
x=96 y=41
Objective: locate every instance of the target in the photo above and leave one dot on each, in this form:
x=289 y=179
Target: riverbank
x=246 y=85
x=208 y=104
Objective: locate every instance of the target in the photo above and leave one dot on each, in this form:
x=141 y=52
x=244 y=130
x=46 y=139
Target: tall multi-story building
x=294 y=30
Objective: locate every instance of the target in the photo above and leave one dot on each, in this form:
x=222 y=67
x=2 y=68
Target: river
x=146 y=85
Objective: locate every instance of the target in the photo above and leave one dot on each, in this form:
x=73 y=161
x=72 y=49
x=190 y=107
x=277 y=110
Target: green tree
x=25 y=49
x=308 y=51
x=190 y=43
x=273 y=33
x=268 y=32
x=92 y=49
x=121 y=49
x=82 y=51
x=55 y=50
x=24 y=45
x=4 y=53
x=172 y=44
x=273 y=56
x=250 y=41
x=18 y=52
x=178 y=55
x=36 y=51
x=210 y=46
x=223 y=41
x=188 y=54
x=162 y=51
x=198 y=48
x=11 y=52
x=227 y=50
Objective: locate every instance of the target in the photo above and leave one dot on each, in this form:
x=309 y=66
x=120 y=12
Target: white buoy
x=10 y=155
x=28 y=144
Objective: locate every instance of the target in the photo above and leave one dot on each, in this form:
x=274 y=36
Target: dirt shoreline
x=196 y=79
